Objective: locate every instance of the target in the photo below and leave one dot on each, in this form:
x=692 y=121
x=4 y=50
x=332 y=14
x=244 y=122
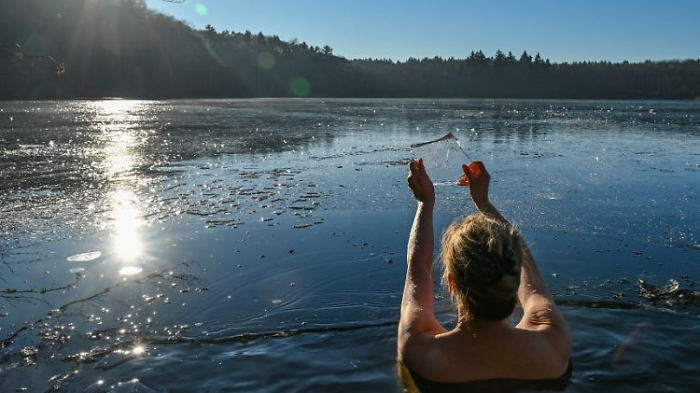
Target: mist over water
x=260 y=244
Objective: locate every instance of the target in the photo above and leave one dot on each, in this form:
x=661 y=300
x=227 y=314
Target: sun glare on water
x=118 y=121
x=127 y=241
x=115 y=118
x=117 y=106
x=138 y=350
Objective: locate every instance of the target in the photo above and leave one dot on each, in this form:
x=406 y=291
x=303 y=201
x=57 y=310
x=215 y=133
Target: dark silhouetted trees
x=87 y=48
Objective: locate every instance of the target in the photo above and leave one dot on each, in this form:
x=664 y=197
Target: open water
x=259 y=245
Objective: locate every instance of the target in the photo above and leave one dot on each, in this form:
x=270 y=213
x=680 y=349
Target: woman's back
x=491 y=353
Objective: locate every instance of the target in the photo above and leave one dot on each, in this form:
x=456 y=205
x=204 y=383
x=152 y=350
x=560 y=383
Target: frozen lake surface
x=216 y=245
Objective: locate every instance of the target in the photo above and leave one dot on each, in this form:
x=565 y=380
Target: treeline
x=120 y=48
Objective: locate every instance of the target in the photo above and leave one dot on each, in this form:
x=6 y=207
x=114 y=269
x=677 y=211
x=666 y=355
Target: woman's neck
x=477 y=325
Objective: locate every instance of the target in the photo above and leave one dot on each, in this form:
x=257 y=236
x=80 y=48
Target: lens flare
x=201 y=9
x=300 y=87
x=266 y=60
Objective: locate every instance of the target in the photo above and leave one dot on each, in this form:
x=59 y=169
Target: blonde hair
x=483 y=257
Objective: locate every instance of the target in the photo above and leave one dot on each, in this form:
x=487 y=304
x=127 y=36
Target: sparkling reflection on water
x=259 y=245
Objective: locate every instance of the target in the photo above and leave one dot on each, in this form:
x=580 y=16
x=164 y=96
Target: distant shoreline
x=697 y=99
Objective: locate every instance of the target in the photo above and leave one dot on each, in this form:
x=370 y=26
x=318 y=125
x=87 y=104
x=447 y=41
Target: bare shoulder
x=416 y=347
x=546 y=328
x=542 y=352
x=422 y=352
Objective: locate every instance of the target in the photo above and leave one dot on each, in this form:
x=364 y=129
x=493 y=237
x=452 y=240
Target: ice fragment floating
x=86 y=257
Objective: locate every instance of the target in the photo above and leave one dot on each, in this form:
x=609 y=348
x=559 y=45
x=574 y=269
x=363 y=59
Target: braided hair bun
x=482 y=258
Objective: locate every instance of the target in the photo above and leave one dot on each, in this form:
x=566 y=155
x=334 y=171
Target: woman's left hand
x=420 y=184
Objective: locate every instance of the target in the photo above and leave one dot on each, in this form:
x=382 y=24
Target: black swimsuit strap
x=493 y=385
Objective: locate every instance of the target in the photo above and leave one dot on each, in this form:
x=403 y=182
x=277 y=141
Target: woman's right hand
x=420 y=184
x=477 y=178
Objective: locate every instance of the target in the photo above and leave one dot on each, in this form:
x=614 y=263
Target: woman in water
x=488 y=269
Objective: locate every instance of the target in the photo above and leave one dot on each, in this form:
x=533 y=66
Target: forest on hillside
x=119 y=48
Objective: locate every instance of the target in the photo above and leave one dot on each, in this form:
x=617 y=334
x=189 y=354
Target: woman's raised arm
x=539 y=310
x=417 y=314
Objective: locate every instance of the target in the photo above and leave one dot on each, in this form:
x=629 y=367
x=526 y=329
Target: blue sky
x=614 y=30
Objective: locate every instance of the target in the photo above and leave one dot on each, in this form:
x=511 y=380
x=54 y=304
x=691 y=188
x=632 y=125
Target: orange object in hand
x=474 y=169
